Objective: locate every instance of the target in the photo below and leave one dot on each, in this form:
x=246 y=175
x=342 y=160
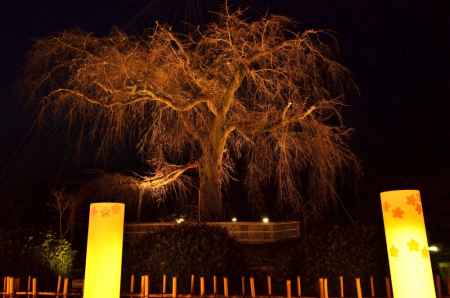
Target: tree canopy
x=249 y=91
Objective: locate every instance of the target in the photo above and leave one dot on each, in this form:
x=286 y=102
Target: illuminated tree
x=251 y=92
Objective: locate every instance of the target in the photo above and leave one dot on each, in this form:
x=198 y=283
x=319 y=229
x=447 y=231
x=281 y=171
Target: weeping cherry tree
x=254 y=92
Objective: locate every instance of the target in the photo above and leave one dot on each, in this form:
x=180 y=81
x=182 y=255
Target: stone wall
x=244 y=232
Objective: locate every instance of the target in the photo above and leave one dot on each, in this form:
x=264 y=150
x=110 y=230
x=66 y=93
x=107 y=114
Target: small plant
x=56 y=254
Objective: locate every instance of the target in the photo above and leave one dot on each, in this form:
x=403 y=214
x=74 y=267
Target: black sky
x=398 y=51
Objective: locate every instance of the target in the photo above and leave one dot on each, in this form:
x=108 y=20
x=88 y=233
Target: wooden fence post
x=174 y=287
x=66 y=287
x=142 y=285
x=12 y=286
x=438 y=286
x=325 y=287
x=34 y=287
x=225 y=286
x=58 y=285
x=387 y=282
x=252 y=287
x=341 y=286
x=358 y=287
x=269 y=285
x=299 y=287
x=8 y=285
x=164 y=287
x=214 y=285
x=321 y=288
x=288 y=289
x=243 y=285
x=28 y=285
x=132 y=278
x=372 y=287
x=192 y=284
x=202 y=286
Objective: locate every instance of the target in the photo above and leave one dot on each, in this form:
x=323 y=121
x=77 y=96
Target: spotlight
x=265 y=219
x=234 y=219
x=433 y=248
x=179 y=220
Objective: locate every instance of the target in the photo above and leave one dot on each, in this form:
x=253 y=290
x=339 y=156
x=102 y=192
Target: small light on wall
x=433 y=248
x=179 y=220
x=234 y=219
x=265 y=219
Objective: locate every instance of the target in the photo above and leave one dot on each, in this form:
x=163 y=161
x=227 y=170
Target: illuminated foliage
x=57 y=255
x=247 y=91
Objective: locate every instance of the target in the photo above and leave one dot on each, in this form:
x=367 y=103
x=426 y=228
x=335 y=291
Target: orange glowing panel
x=407 y=244
x=104 y=250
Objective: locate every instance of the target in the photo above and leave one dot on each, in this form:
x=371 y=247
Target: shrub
x=26 y=252
x=183 y=250
x=353 y=250
x=56 y=255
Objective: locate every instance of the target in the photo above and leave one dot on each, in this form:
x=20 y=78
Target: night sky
x=397 y=50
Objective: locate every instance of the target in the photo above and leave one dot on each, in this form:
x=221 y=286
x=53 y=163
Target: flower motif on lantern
x=419 y=209
x=411 y=200
x=398 y=212
x=386 y=206
x=413 y=245
x=105 y=212
x=393 y=251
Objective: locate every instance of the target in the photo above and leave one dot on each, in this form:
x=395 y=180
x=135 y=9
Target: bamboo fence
x=13 y=287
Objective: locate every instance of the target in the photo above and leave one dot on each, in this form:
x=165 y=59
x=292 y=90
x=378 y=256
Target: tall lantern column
x=407 y=244
x=104 y=250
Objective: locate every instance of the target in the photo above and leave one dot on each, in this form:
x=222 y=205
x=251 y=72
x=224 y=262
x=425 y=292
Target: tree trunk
x=210 y=204
x=209 y=196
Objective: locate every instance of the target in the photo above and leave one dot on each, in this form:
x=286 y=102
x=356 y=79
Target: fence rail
x=292 y=288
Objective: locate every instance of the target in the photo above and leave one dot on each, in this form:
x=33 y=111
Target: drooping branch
x=144 y=96
x=165 y=176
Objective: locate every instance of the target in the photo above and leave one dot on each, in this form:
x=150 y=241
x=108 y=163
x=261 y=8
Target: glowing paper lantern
x=407 y=244
x=104 y=250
